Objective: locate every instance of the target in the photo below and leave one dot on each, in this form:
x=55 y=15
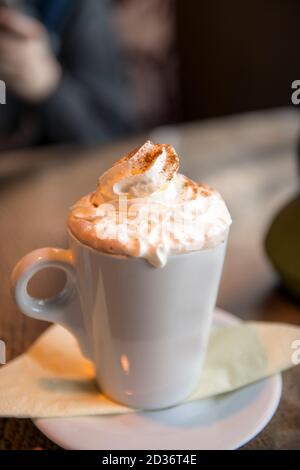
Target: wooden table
x=249 y=158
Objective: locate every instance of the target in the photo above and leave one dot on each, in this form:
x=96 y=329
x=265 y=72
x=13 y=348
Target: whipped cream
x=143 y=207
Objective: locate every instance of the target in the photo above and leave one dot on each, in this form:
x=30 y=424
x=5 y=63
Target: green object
x=283 y=246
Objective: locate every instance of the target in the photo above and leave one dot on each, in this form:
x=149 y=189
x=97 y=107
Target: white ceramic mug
x=145 y=328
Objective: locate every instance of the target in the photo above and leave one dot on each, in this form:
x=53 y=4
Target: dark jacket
x=92 y=103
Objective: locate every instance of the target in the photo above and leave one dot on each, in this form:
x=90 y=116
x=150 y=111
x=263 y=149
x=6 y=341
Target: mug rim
x=136 y=258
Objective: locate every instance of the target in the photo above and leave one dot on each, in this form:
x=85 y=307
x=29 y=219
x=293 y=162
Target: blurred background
x=107 y=68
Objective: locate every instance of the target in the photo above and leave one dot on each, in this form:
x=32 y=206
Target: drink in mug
x=143 y=270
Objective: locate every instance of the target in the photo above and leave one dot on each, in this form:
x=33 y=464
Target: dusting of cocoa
x=147 y=158
x=197 y=188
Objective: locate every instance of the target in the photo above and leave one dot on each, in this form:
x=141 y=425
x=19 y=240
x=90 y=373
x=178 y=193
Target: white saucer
x=225 y=422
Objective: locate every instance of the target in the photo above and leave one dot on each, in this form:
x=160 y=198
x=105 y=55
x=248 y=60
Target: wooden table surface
x=250 y=159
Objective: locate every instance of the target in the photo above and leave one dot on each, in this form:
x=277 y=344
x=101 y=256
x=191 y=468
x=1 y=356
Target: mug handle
x=64 y=308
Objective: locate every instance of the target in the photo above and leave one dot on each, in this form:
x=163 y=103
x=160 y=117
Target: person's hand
x=27 y=64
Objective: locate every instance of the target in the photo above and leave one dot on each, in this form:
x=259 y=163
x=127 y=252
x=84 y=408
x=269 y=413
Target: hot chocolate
x=143 y=207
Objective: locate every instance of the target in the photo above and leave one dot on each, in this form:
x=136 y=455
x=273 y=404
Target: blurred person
x=148 y=35
x=62 y=68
